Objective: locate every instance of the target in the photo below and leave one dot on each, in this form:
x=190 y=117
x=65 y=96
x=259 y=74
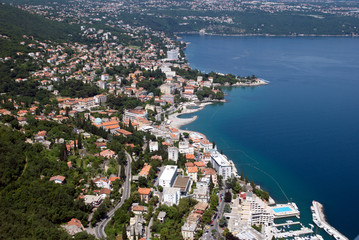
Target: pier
x=286 y=224
x=319 y=219
x=302 y=231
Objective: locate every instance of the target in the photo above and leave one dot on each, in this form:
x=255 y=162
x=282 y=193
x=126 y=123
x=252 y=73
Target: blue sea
x=298 y=138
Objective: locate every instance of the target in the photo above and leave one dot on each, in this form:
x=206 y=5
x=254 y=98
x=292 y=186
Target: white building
x=173 y=154
x=172 y=55
x=171 y=196
x=153 y=146
x=133 y=114
x=167 y=88
x=188 y=231
x=105 y=77
x=257 y=211
x=201 y=193
x=221 y=164
x=185 y=148
x=99 y=99
x=168 y=176
x=102 y=84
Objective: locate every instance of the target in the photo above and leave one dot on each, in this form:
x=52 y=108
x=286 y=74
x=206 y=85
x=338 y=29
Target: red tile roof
x=192 y=169
x=75 y=222
x=144 y=191
x=123 y=131
x=57 y=177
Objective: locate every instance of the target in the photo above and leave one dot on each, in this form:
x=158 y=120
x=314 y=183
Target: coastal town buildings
x=201 y=193
x=168 y=176
x=221 y=164
x=171 y=195
x=173 y=153
x=255 y=211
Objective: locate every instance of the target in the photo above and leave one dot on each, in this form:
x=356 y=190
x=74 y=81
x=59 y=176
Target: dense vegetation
x=175 y=216
x=12 y=159
x=15 y=23
x=32 y=207
x=249 y=22
x=76 y=88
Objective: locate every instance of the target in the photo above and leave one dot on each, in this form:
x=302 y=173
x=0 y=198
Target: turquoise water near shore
x=299 y=136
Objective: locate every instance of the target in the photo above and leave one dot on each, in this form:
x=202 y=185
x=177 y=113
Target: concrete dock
x=295 y=233
x=286 y=224
x=318 y=214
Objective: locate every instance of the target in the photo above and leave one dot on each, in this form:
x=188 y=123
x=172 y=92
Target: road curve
x=100 y=227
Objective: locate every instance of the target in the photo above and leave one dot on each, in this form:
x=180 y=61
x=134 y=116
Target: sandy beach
x=177 y=122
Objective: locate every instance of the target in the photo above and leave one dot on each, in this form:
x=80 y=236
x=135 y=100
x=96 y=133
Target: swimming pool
x=282 y=209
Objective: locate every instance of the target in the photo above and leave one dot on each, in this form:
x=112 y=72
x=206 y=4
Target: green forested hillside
x=31 y=206
x=15 y=23
x=12 y=159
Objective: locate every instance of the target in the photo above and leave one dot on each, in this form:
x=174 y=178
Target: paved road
x=216 y=226
x=148 y=228
x=159 y=175
x=100 y=227
x=208 y=235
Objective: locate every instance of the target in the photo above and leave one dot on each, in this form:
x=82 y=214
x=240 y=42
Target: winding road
x=100 y=226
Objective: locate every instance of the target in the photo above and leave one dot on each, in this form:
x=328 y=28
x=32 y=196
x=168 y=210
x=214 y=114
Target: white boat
x=312 y=209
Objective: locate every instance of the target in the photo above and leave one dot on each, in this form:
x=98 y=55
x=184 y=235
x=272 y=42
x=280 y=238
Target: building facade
x=168 y=176
x=221 y=164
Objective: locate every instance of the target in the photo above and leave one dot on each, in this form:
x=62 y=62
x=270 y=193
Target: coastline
x=265 y=35
x=180 y=122
x=187 y=108
x=304 y=204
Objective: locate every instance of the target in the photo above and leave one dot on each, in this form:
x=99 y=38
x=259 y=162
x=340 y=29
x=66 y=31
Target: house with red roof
x=105 y=192
x=107 y=153
x=58 y=179
x=123 y=132
x=113 y=179
x=192 y=172
x=189 y=164
x=200 y=165
x=74 y=226
x=145 y=170
x=139 y=209
x=144 y=194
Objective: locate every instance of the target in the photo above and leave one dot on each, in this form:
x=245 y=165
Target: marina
x=302 y=231
x=313 y=237
x=319 y=220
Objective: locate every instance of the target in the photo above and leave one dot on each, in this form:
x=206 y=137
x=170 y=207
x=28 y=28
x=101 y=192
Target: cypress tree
x=122 y=173
x=124 y=234
x=79 y=142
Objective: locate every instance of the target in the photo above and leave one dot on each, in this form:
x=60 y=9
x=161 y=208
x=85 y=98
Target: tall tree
x=211 y=184
x=63 y=152
x=122 y=172
x=79 y=142
x=124 y=233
